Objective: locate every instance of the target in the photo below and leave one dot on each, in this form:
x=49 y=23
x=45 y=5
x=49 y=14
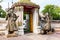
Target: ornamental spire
x=24 y=0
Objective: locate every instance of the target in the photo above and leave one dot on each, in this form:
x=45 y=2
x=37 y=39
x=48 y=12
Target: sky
x=41 y=3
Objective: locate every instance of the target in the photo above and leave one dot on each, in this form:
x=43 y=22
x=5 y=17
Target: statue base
x=12 y=35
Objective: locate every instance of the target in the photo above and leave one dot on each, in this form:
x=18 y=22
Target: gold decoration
x=19 y=23
x=24 y=0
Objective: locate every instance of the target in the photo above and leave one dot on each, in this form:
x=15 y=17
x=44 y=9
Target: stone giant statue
x=46 y=25
x=11 y=17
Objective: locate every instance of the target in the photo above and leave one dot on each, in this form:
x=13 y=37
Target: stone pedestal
x=20 y=30
x=12 y=35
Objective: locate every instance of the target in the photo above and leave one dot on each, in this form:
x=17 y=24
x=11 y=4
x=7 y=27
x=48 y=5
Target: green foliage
x=2 y=13
x=53 y=11
x=24 y=15
x=1 y=1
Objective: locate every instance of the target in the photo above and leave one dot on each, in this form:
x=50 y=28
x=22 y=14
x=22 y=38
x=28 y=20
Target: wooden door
x=31 y=22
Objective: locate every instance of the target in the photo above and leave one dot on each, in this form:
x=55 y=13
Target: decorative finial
x=24 y=0
x=8 y=5
x=12 y=1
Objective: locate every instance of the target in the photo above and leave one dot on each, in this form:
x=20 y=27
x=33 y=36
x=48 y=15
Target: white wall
x=20 y=14
x=35 y=21
x=20 y=19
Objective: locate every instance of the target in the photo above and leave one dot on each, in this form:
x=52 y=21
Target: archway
x=28 y=16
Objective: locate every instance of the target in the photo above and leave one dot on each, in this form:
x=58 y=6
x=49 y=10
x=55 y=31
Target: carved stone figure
x=11 y=17
x=46 y=27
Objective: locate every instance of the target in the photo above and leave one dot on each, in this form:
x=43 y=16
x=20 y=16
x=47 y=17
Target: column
x=35 y=21
x=19 y=12
x=21 y=30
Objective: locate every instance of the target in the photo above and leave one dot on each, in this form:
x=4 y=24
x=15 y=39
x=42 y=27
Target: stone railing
x=55 y=24
x=55 y=21
x=3 y=24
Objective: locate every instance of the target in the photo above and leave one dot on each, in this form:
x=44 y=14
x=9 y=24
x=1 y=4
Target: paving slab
x=32 y=36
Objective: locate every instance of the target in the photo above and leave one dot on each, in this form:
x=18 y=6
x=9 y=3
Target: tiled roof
x=25 y=4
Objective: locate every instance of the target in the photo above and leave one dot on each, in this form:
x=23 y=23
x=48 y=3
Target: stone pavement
x=15 y=38
x=31 y=36
x=55 y=36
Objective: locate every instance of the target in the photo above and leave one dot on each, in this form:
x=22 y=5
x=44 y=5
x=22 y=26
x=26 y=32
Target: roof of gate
x=25 y=3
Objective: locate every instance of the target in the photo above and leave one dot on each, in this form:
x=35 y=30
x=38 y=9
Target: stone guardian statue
x=11 y=17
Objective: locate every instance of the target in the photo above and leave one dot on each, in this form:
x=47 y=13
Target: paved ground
x=55 y=36
x=16 y=38
x=31 y=36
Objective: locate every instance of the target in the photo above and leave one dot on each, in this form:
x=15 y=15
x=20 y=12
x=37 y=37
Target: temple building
x=28 y=12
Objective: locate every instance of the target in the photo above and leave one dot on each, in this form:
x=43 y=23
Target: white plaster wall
x=20 y=14
x=20 y=19
x=35 y=22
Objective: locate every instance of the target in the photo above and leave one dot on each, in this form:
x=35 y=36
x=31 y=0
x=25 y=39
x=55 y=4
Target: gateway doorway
x=28 y=19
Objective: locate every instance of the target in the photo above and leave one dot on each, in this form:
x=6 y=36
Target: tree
x=1 y=1
x=53 y=11
x=2 y=13
x=56 y=15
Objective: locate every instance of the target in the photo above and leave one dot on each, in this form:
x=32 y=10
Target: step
x=57 y=29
